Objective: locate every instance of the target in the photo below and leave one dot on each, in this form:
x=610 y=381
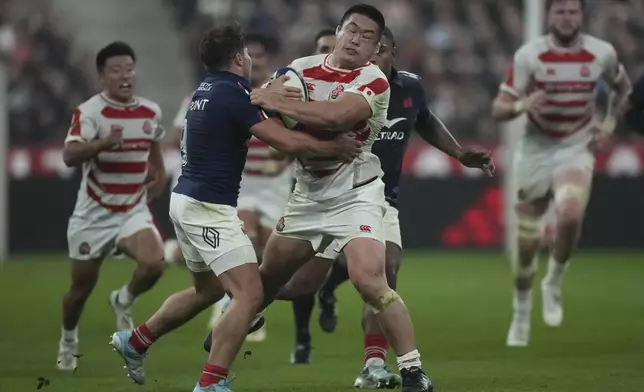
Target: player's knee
x=383 y=301
x=569 y=215
x=529 y=228
x=370 y=287
x=153 y=268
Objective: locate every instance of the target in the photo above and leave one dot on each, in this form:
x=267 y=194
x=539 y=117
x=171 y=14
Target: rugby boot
x=415 y=380
x=377 y=377
x=221 y=386
x=328 y=318
x=301 y=354
x=67 y=360
x=552 y=307
x=133 y=360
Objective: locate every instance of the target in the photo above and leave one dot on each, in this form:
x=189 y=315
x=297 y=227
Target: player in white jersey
x=553 y=80
x=114 y=135
x=337 y=201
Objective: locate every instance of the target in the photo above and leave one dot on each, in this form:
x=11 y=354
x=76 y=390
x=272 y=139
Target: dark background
x=453 y=212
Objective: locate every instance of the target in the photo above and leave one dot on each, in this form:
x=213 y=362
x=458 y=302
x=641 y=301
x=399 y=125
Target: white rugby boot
x=257 y=336
x=67 y=355
x=519 y=332
x=552 y=308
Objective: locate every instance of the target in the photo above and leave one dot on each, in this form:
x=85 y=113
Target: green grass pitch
x=460 y=303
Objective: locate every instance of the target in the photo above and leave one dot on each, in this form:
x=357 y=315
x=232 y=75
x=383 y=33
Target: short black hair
x=323 y=33
x=220 y=45
x=390 y=35
x=549 y=4
x=269 y=43
x=367 y=10
x=116 y=48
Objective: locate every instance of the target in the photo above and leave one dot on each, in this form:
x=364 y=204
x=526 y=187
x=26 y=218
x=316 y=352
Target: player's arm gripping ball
x=76 y=152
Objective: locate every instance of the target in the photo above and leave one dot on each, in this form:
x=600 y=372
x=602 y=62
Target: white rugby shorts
x=358 y=213
x=267 y=196
x=91 y=239
x=210 y=236
x=391 y=226
x=535 y=170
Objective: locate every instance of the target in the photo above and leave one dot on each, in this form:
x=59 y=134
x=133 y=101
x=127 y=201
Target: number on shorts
x=182 y=146
x=211 y=237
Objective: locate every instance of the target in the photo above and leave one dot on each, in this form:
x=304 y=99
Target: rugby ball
x=294 y=80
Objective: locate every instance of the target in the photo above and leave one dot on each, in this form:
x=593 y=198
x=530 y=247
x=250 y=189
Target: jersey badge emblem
x=280 y=225
x=147 y=127
x=337 y=91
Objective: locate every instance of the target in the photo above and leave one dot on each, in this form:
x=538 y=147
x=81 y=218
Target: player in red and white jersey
x=341 y=203
x=114 y=136
x=553 y=80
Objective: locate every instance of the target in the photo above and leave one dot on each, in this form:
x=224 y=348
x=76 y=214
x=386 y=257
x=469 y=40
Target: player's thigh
x=140 y=239
x=282 y=257
x=572 y=184
x=393 y=258
x=309 y=278
x=243 y=281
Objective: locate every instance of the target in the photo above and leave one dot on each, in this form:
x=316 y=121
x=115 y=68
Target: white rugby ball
x=294 y=80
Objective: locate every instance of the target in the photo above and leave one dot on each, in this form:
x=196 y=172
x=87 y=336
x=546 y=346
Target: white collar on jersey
x=327 y=67
x=118 y=104
x=574 y=48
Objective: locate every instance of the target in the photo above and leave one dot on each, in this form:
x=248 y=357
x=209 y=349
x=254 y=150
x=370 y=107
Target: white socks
x=69 y=336
x=555 y=273
x=374 y=361
x=409 y=360
x=124 y=297
x=522 y=302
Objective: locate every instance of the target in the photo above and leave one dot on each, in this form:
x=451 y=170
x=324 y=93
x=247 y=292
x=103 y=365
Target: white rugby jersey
x=569 y=76
x=113 y=182
x=327 y=178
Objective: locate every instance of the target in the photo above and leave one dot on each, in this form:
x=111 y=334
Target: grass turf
x=460 y=303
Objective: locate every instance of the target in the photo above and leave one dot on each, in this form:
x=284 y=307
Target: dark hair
x=220 y=45
x=367 y=10
x=549 y=4
x=269 y=43
x=117 y=48
x=323 y=33
x=388 y=33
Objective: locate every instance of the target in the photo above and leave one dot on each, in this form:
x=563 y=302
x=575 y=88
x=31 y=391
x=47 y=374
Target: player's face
x=384 y=56
x=565 y=19
x=325 y=44
x=117 y=78
x=259 y=56
x=356 y=40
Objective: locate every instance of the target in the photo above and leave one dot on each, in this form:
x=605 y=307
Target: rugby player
x=266 y=179
x=303 y=304
x=553 y=80
x=342 y=202
x=407 y=110
x=214 y=144
x=113 y=135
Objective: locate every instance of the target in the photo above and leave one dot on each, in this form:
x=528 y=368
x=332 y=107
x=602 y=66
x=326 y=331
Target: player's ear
x=337 y=29
x=239 y=59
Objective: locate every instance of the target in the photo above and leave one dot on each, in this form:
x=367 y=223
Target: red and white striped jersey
x=327 y=178
x=113 y=182
x=569 y=76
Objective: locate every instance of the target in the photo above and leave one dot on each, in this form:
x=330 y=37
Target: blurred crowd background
x=461 y=48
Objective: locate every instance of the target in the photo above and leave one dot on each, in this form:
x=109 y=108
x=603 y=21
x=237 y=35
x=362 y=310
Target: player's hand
x=471 y=157
x=115 y=137
x=602 y=134
x=346 y=147
x=285 y=92
x=535 y=102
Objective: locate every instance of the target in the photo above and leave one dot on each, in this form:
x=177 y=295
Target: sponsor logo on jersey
x=584 y=71
x=365 y=229
x=84 y=248
x=407 y=103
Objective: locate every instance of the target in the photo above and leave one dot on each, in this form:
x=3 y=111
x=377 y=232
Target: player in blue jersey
x=218 y=125
x=407 y=111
